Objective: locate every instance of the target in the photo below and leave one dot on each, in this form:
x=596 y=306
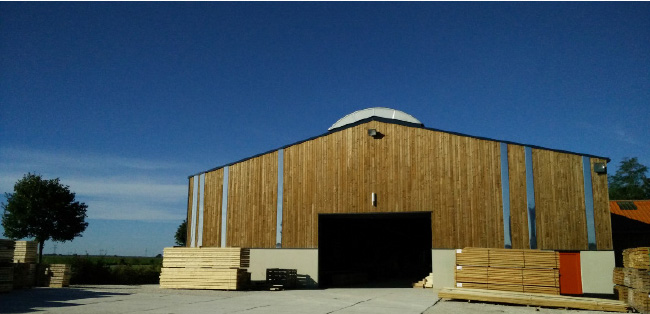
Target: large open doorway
x=373 y=250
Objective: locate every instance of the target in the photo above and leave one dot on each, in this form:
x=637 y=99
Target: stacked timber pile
x=56 y=275
x=205 y=268
x=427 y=282
x=6 y=266
x=24 y=275
x=25 y=256
x=632 y=283
x=25 y=252
x=532 y=271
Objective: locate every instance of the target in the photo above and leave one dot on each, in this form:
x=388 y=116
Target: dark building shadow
x=39 y=299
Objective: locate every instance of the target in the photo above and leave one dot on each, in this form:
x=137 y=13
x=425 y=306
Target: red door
x=570 y=278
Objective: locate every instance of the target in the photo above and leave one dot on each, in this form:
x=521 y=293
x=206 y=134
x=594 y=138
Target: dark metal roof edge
x=404 y=123
x=521 y=144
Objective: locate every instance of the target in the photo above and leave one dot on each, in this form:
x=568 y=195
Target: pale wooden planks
x=508 y=270
x=534 y=299
x=633 y=281
x=205 y=268
x=637 y=258
x=56 y=276
x=26 y=252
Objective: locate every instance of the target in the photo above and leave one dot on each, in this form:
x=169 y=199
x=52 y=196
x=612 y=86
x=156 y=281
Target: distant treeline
x=109 y=270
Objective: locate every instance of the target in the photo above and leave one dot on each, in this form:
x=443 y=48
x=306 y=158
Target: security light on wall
x=372 y=132
x=373 y=199
x=600 y=167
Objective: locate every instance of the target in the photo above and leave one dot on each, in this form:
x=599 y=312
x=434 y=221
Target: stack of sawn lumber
x=205 y=268
x=6 y=265
x=532 y=271
x=25 y=256
x=56 y=276
x=25 y=252
x=632 y=283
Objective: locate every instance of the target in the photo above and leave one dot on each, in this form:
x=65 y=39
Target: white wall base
x=304 y=261
x=596 y=270
x=443 y=262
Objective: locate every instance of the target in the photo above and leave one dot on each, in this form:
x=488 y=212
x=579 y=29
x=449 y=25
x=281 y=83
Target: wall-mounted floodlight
x=372 y=132
x=600 y=167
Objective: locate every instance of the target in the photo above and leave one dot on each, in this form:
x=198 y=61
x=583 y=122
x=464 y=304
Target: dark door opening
x=373 y=250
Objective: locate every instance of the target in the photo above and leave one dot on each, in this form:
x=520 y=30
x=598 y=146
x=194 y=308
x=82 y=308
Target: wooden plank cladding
x=190 y=192
x=212 y=208
x=410 y=169
x=252 y=202
x=559 y=201
x=602 y=216
x=518 y=203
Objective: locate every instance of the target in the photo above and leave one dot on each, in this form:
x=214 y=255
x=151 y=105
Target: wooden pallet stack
x=531 y=271
x=56 y=276
x=205 y=268
x=26 y=252
x=632 y=283
x=6 y=265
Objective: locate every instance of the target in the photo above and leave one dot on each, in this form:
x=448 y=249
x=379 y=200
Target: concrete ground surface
x=152 y=299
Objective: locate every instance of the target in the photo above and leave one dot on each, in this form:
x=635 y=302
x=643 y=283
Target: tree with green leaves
x=43 y=209
x=630 y=181
x=181 y=234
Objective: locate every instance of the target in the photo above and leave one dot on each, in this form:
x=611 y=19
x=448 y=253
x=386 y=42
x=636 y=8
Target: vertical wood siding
x=212 y=208
x=190 y=191
x=559 y=200
x=518 y=201
x=602 y=218
x=456 y=178
x=252 y=202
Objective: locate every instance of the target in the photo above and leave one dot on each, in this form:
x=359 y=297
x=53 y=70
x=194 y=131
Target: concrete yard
x=152 y=299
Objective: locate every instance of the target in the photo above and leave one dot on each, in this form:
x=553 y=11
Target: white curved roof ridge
x=381 y=112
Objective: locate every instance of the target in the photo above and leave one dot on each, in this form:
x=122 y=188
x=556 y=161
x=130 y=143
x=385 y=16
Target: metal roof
x=641 y=213
x=380 y=112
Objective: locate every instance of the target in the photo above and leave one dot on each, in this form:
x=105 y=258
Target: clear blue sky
x=123 y=101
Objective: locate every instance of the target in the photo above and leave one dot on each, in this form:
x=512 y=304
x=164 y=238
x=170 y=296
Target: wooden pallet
x=534 y=299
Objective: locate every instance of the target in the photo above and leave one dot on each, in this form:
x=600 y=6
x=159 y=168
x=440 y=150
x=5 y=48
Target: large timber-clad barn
x=382 y=197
